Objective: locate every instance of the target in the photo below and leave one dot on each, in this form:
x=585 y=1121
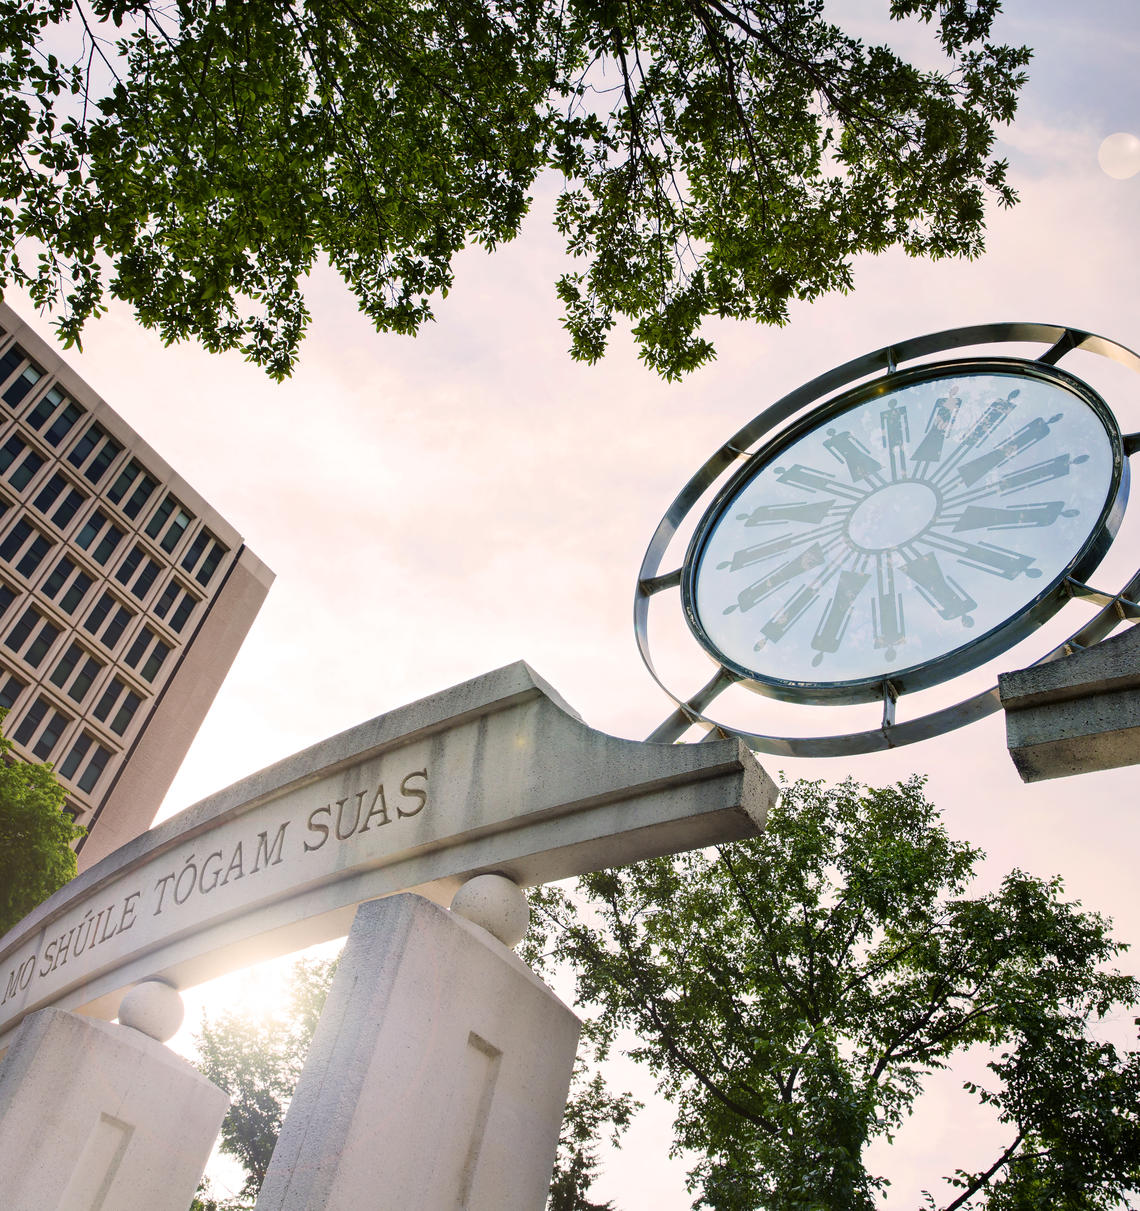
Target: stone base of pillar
x=99 y=1117
x=437 y=1077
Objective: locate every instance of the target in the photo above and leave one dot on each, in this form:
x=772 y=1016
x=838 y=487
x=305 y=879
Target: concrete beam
x=1075 y=715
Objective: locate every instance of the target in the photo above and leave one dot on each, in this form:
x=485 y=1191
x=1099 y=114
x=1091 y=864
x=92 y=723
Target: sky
x=440 y=506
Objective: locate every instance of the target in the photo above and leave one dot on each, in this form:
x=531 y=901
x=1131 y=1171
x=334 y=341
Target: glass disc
x=898 y=534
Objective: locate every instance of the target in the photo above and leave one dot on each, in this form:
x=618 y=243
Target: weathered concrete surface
x=1077 y=714
x=495 y=775
x=437 y=1076
x=96 y=1117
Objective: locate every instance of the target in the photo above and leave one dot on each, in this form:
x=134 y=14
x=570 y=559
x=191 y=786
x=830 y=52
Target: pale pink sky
x=436 y=507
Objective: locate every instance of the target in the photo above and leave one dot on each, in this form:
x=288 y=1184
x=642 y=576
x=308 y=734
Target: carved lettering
x=414 y=792
x=20 y=977
x=235 y=864
x=263 y=847
x=49 y=959
x=160 y=887
x=381 y=811
x=343 y=834
x=314 y=827
x=128 y=917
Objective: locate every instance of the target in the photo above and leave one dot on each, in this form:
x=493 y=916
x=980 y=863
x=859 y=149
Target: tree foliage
x=791 y=993
x=36 y=858
x=258 y=1061
x=717 y=157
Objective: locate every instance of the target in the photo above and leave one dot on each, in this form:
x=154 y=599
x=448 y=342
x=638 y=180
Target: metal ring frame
x=1114 y=607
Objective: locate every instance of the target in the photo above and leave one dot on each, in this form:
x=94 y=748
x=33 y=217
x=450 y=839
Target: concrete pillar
x=437 y=1077
x=101 y=1117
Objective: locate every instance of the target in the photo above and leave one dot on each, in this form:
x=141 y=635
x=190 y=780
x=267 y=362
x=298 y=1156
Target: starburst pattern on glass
x=901 y=529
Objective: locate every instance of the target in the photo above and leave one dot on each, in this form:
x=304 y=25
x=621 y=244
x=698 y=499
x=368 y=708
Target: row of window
x=54 y=417
x=25 y=549
x=33 y=635
x=41 y=728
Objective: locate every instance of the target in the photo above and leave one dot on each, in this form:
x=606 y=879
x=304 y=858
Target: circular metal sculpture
x=899 y=533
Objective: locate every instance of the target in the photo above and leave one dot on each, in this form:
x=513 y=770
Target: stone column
x=102 y=1117
x=438 y=1072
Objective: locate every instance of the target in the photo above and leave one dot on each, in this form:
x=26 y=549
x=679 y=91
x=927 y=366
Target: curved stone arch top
x=496 y=774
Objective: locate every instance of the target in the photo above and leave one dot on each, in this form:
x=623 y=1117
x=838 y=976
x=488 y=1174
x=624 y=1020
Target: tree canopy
x=258 y=1061
x=792 y=992
x=36 y=858
x=716 y=157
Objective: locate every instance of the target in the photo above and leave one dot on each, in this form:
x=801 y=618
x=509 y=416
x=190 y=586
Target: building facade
x=124 y=597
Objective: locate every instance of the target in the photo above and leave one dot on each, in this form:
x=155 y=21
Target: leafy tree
x=258 y=1061
x=792 y=991
x=717 y=157
x=36 y=858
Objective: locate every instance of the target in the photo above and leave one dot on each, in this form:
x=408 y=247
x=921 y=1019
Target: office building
x=124 y=596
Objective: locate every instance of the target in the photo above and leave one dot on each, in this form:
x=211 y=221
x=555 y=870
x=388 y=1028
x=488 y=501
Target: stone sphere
x=154 y=1008
x=495 y=903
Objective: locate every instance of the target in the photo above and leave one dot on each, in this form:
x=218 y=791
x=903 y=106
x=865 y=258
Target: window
x=129 y=566
x=91 y=528
x=143 y=488
x=66 y=511
x=186 y=601
x=210 y=564
x=176 y=529
x=10 y=361
x=110 y=696
x=182 y=612
x=38 y=417
x=63 y=424
x=7 y=596
x=108 y=452
x=63 y=670
x=49 y=493
x=94 y=621
x=10 y=691
x=34 y=556
x=161 y=514
x=22 y=476
x=31 y=721
x=140 y=496
x=99 y=524
x=49 y=737
x=95 y=766
x=127 y=701
x=21 y=385
x=125 y=713
x=203 y=540
x=15 y=539
x=78 y=750
x=142 y=641
x=40 y=645
x=154 y=661
x=116 y=627
x=10 y=451
x=195 y=549
x=22 y=631
x=146 y=578
x=82 y=683
x=58 y=578
x=107 y=544
x=76 y=591
x=163 y=604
